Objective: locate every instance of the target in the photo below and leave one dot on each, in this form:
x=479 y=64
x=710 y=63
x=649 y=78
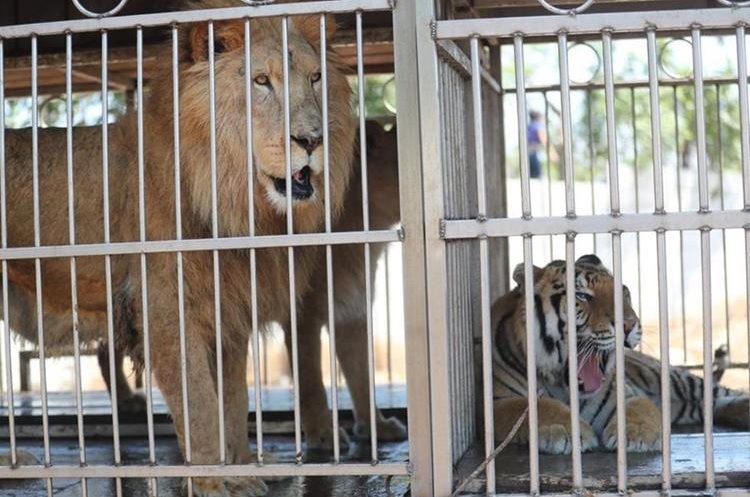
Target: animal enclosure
x=379 y=322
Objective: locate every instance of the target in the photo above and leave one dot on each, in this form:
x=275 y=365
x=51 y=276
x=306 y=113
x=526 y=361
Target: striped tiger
x=596 y=372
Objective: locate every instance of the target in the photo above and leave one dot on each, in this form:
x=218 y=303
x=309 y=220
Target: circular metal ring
x=730 y=3
x=83 y=10
x=44 y=116
x=595 y=73
x=576 y=10
x=663 y=67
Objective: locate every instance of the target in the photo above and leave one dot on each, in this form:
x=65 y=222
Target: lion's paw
x=23 y=458
x=389 y=430
x=245 y=486
x=322 y=439
x=233 y=486
x=134 y=403
x=558 y=439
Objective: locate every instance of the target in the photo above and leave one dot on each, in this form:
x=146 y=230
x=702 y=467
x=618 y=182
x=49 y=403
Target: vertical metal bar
x=37 y=243
x=744 y=111
x=108 y=259
x=720 y=157
x=215 y=234
x=425 y=273
x=590 y=143
x=703 y=195
x=251 y=232
x=178 y=235
x=572 y=326
x=620 y=364
x=366 y=227
x=567 y=126
x=388 y=331
x=523 y=146
x=745 y=150
x=143 y=261
x=290 y=230
x=72 y=240
x=528 y=272
x=653 y=86
x=663 y=289
x=708 y=397
x=329 y=249
x=609 y=98
x=484 y=268
x=678 y=166
x=636 y=189
x=666 y=415
x=700 y=120
x=548 y=148
x=4 y=235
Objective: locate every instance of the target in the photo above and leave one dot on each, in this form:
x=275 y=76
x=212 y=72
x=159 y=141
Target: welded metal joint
x=570 y=236
x=442 y=229
x=481 y=218
x=401 y=232
x=433 y=29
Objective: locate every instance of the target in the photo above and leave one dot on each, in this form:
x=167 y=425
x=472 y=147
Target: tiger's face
x=595 y=321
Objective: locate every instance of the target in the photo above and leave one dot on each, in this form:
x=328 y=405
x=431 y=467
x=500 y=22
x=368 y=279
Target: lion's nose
x=308 y=142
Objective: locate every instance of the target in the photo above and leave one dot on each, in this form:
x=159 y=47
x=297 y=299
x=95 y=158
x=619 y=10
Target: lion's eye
x=583 y=296
x=315 y=77
x=262 y=80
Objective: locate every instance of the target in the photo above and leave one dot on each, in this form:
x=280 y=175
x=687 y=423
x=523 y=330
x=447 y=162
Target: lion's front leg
x=316 y=419
x=203 y=404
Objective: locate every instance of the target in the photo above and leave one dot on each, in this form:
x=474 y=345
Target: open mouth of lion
x=302 y=188
x=591 y=370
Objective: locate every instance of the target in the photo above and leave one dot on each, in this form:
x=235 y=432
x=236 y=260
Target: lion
x=350 y=302
x=269 y=204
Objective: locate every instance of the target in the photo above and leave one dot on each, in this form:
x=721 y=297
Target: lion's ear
x=197 y=46
x=309 y=27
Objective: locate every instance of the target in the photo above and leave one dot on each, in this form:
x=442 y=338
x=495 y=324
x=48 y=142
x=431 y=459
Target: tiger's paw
x=558 y=439
x=643 y=429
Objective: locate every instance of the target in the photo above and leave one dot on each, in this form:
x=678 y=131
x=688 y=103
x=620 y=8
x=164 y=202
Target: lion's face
x=269 y=133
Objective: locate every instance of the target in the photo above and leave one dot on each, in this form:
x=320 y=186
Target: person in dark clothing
x=537 y=139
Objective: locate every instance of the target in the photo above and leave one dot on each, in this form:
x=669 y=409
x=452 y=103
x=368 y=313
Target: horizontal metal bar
x=627 y=84
x=560 y=225
x=167 y=18
x=291 y=469
x=623 y=22
x=191 y=245
x=721 y=492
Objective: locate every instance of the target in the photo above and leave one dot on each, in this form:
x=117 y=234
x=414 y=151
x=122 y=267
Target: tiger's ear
x=591 y=259
x=309 y=27
x=518 y=274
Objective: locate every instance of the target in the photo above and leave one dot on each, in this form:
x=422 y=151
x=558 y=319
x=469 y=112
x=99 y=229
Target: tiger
x=595 y=321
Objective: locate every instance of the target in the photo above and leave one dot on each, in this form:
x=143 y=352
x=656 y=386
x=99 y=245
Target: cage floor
x=135 y=451
x=731 y=462
x=277 y=425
